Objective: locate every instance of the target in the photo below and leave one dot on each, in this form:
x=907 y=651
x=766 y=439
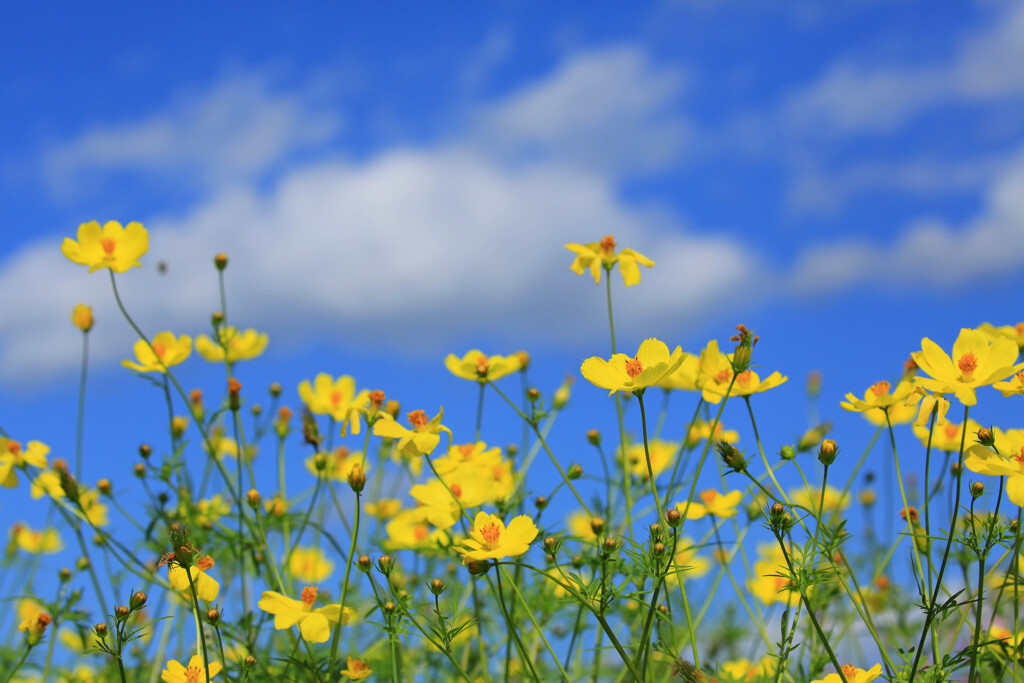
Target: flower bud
x=533 y=394
x=867 y=497
x=385 y=564
x=596 y=525
x=178 y=426
x=81 y=317
x=64 y=575
x=731 y=456
x=216 y=319
x=827 y=452
x=145 y=451
x=985 y=437
x=83 y=564
x=100 y=630
x=103 y=486
x=658 y=549
x=594 y=437
x=392 y=408
x=220 y=261
x=575 y=472
x=122 y=612
x=787 y=452
x=977 y=488
x=813 y=383
x=540 y=502
x=674 y=518
x=389 y=607
x=137 y=600
x=256 y=410
x=524 y=359
x=663 y=609
x=253 y=498
x=437 y=586
x=364 y=563
x=357 y=478
x=234 y=391
x=656 y=531
x=955 y=469
x=511 y=450
x=284 y=416
x=551 y=545
x=213 y=616
x=275 y=389
x=478 y=567
x=250 y=662
x=610 y=544
x=68 y=484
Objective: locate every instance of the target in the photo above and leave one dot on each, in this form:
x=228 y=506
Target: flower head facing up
x=112 y=246
x=1012 y=387
x=712 y=503
x=231 y=345
x=977 y=360
x=597 y=255
x=167 y=351
x=356 y=669
x=310 y=565
x=14 y=457
x=648 y=367
x=479 y=367
x=490 y=539
x=335 y=397
x=853 y=674
x=193 y=673
x=422 y=439
x=314 y=623
x=81 y=317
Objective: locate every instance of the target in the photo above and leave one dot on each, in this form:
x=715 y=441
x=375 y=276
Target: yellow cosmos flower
x=742 y=670
x=1009 y=462
x=663 y=453
x=409 y=530
x=356 y=669
x=649 y=366
x=193 y=673
x=1013 y=387
x=207 y=587
x=13 y=457
x=81 y=317
x=314 y=624
x=578 y=525
x=713 y=503
x=469 y=486
x=977 y=361
x=111 y=246
x=1014 y=333
x=385 y=508
x=422 y=439
x=244 y=345
x=835 y=501
x=479 y=367
x=335 y=397
x=310 y=565
x=685 y=376
x=167 y=351
x=595 y=255
x=688 y=564
x=878 y=396
x=747 y=382
x=337 y=464
x=947 y=437
x=853 y=675
x=95 y=511
x=468 y=455
x=490 y=539
x=44 y=542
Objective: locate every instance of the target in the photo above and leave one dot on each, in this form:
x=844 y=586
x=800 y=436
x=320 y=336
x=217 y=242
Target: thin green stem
x=344 y=591
x=647 y=456
x=80 y=425
x=512 y=629
x=199 y=621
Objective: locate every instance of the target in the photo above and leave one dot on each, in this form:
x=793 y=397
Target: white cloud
x=235 y=130
x=611 y=109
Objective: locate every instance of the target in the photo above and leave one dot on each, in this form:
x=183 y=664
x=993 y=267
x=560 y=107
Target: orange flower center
x=608 y=246
x=14 y=447
x=418 y=419
x=849 y=670
x=967 y=364
x=108 y=244
x=466 y=449
x=481 y=366
x=880 y=388
x=309 y=596
x=205 y=563
x=376 y=398
x=709 y=496
x=456 y=490
x=491 y=533
x=193 y=674
x=634 y=367
x=358 y=666
x=498 y=473
x=335 y=398
x=420 y=532
x=1019 y=327
x=744 y=377
x=1020 y=377
x=1020 y=459
x=952 y=430
x=723 y=376
x=159 y=350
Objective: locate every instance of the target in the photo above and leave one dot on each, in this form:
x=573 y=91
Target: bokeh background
x=395 y=181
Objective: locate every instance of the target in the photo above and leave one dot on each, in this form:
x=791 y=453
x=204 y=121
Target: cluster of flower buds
x=745 y=341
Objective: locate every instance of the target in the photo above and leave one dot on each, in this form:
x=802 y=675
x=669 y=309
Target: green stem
x=626 y=482
x=647 y=455
x=199 y=622
x=344 y=590
x=79 y=427
x=533 y=620
x=479 y=411
x=512 y=629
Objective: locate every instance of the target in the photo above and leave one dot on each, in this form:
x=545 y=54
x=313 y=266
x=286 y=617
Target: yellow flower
x=356 y=669
x=853 y=675
x=491 y=539
x=688 y=564
x=409 y=530
x=111 y=246
x=337 y=464
x=13 y=458
x=649 y=366
x=1014 y=333
x=314 y=624
x=834 y=500
x=422 y=439
x=95 y=511
x=207 y=587
x=742 y=670
x=310 y=565
x=579 y=525
x=335 y=397
x=193 y=673
x=701 y=430
x=468 y=455
x=595 y=255
x=244 y=345
x=663 y=453
x=716 y=372
x=768 y=587
x=977 y=361
x=385 y=508
x=477 y=366
x=34 y=627
x=715 y=503
x=167 y=351
x=1009 y=462
x=878 y=396
x=81 y=317
x=44 y=542
x=1012 y=387
x=470 y=487
x=947 y=437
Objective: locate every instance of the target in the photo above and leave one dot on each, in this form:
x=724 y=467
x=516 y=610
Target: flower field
x=412 y=552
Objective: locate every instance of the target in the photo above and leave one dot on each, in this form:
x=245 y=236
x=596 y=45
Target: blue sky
x=393 y=182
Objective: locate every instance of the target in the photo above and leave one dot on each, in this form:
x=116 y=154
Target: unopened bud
x=385 y=564
x=827 y=452
x=533 y=394
x=216 y=319
x=673 y=517
x=178 y=426
x=81 y=317
x=100 y=630
x=145 y=451
x=656 y=531
x=213 y=616
x=524 y=359
x=389 y=607
x=813 y=383
x=64 y=574
x=985 y=437
x=731 y=456
x=594 y=437
x=357 y=478
x=364 y=563
x=512 y=449
x=787 y=452
x=867 y=497
x=658 y=549
x=253 y=498
x=234 y=394
x=575 y=472
x=137 y=600
x=610 y=544
x=68 y=484
x=220 y=261
x=250 y=662
x=122 y=612
x=540 y=502
x=275 y=389
x=392 y=408
x=977 y=488
x=596 y=525
x=478 y=567
x=955 y=469
x=103 y=486
x=551 y=545
x=663 y=609
x=437 y=586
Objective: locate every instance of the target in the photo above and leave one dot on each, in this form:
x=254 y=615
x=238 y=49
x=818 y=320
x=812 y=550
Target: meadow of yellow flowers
x=427 y=556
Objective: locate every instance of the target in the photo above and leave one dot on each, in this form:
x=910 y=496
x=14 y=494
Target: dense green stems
x=536 y=626
x=199 y=621
x=512 y=628
x=810 y=613
x=647 y=455
x=80 y=425
x=344 y=591
x=640 y=659
x=930 y=612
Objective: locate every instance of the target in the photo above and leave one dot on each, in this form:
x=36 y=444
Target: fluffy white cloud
x=234 y=130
